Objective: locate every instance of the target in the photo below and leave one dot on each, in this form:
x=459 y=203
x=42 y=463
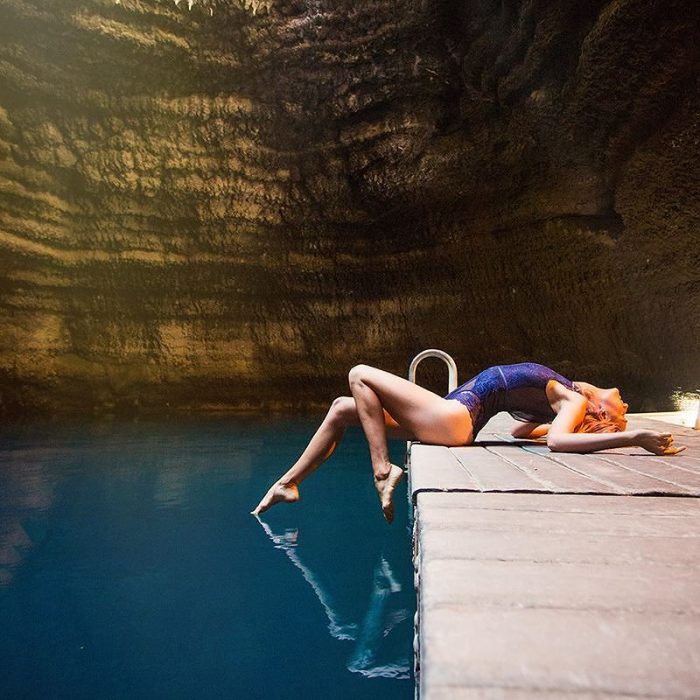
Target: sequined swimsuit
x=519 y=389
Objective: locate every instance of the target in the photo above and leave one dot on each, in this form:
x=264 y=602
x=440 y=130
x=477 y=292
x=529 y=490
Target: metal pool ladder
x=451 y=384
x=451 y=374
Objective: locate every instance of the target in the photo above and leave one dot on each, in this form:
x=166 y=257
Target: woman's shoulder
x=557 y=391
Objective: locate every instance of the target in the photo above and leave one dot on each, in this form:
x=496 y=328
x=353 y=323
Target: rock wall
x=228 y=204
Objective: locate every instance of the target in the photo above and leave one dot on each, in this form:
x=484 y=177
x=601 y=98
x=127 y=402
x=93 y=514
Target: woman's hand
x=657 y=443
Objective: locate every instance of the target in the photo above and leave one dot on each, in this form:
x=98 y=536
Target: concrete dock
x=550 y=575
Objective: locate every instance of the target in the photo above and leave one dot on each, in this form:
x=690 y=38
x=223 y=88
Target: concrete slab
x=498 y=462
x=613 y=652
x=459 y=693
x=542 y=577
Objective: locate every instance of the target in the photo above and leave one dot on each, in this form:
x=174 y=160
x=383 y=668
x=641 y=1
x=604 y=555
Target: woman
x=574 y=417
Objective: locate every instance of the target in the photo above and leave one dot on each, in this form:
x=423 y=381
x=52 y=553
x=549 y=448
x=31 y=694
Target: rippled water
x=131 y=567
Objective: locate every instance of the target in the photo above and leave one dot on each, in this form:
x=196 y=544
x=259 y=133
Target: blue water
x=131 y=567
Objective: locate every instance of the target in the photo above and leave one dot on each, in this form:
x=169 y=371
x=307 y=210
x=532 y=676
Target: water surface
x=131 y=567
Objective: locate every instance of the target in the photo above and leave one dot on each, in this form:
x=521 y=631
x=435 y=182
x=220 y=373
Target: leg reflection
x=381 y=618
x=287 y=543
x=376 y=626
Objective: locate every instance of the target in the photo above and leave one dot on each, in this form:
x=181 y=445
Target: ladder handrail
x=434 y=352
x=451 y=375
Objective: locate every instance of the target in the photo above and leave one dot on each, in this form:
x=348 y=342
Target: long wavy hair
x=597 y=419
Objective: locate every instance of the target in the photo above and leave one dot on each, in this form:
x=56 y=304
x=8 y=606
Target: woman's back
x=519 y=389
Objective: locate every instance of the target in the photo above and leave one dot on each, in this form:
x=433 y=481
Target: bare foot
x=385 y=489
x=288 y=493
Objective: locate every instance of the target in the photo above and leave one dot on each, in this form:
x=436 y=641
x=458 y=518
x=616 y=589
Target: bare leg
x=429 y=417
x=369 y=409
x=343 y=412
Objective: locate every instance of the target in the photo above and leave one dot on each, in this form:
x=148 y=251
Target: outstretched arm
x=562 y=438
x=650 y=440
x=589 y=442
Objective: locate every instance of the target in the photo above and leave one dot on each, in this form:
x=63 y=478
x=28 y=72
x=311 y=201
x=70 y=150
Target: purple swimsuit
x=519 y=389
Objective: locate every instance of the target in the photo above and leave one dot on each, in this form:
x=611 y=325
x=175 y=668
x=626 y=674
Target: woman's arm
x=530 y=430
x=650 y=440
x=589 y=442
x=562 y=438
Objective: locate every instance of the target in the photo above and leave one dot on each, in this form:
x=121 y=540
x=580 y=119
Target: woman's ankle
x=382 y=471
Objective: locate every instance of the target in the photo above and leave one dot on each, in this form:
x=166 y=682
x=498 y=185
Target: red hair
x=597 y=419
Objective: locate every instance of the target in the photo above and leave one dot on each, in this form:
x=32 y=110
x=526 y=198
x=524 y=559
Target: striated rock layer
x=230 y=204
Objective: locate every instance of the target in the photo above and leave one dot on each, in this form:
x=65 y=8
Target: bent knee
x=341 y=403
x=357 y=373
x=343 y=409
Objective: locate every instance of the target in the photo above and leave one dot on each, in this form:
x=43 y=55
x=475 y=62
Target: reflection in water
x=378 y=622
x=28 y=492
x=130 y=567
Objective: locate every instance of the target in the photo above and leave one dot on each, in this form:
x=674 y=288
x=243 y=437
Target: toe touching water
x=573 y=416
x=385 y=406
x=277 y=493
